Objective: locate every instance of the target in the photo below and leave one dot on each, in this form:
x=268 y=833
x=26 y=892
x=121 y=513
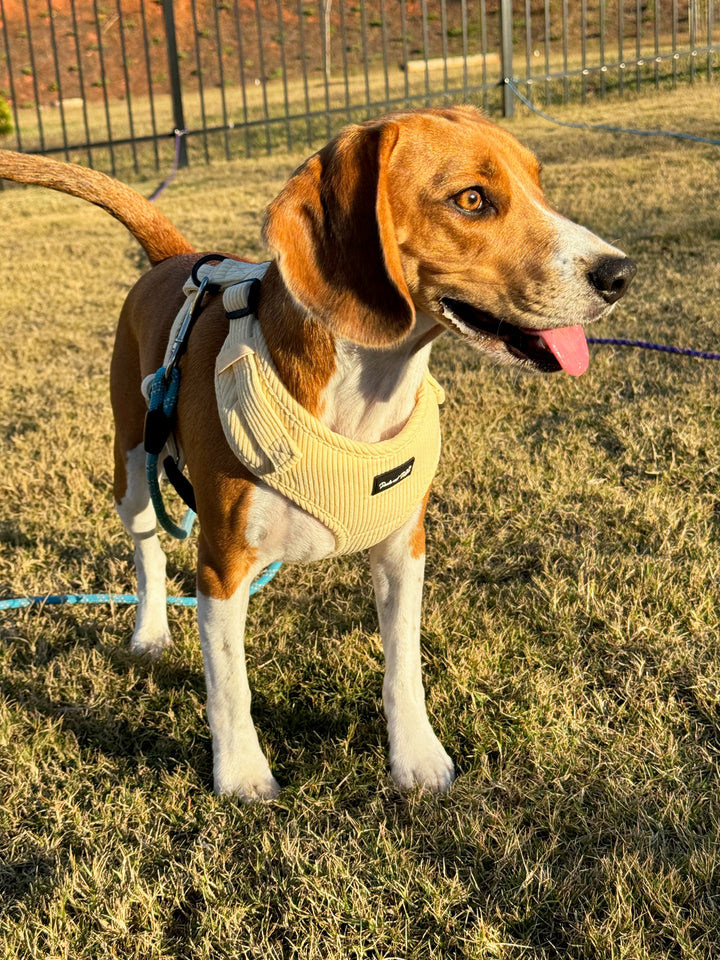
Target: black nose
x=611 y=277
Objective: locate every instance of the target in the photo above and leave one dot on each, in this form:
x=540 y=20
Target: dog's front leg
x=417 y=757
x=240 y=767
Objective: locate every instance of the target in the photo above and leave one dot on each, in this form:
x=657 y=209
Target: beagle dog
x=399 y=229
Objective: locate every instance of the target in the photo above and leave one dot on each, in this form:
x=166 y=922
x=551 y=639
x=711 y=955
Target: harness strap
x=180 y=482
x=209 y=276
x=162 y=404
x=161 y=414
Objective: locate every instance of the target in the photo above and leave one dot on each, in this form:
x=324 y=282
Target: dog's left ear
x=332 y=231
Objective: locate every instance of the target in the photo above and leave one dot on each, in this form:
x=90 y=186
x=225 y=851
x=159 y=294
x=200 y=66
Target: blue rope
x=164 y=394
x=604 y=126
x=15 y=603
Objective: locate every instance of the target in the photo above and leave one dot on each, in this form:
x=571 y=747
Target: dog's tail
x=154 y=232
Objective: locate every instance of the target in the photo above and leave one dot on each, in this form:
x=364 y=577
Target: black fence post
x=506 y=55
x=175 y=87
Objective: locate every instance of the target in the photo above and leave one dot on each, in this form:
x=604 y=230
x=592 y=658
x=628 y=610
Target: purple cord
x=645 y=345
x=604 y=126
x=179 y=134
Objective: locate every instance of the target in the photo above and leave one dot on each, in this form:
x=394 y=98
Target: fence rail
x=109 y=85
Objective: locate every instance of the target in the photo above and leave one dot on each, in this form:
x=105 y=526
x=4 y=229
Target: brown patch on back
x=223 y=487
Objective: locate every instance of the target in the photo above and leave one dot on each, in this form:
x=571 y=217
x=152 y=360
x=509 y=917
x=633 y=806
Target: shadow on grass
x=12 y=536
x=300 y=718
x=104 y=729
x=19 y=878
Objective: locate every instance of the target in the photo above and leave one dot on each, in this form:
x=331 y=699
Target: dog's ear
x=331 y=229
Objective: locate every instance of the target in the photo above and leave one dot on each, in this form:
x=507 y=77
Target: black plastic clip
x=158 y=427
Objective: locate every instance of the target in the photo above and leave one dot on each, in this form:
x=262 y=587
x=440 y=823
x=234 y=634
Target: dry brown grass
x=570 y=629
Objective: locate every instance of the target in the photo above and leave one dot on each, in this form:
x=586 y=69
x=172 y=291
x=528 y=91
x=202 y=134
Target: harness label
x=386 y=480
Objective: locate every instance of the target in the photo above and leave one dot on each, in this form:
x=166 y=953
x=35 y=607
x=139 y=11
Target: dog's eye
x=470 y=200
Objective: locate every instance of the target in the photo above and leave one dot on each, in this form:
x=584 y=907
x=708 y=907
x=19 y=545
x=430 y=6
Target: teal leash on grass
x=127 y=599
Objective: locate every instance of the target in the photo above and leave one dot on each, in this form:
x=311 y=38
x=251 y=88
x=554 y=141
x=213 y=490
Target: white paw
x=150 y=643
x=421 y=761
x=247 y=785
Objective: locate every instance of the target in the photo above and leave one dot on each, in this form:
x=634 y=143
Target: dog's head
x=441 y=212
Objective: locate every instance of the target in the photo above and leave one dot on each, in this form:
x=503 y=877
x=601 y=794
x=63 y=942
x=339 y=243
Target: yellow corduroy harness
x=361 y=491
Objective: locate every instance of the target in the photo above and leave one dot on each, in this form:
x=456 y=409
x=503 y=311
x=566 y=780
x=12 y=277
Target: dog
x=399 y=229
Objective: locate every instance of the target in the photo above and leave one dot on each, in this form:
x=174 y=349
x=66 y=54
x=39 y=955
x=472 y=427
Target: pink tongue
x=569 y=347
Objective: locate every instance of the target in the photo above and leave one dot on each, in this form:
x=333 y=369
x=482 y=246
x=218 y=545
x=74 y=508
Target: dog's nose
x=611 y=277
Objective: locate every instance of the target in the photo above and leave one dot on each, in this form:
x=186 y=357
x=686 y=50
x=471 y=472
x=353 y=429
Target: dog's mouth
x=559 y=348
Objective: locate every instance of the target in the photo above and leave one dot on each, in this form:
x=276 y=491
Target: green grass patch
x=571 y=631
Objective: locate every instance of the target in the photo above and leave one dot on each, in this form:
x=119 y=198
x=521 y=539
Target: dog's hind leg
x=132 y=496
x=152 y=633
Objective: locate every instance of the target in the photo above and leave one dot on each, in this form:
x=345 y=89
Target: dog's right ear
x=332 y=232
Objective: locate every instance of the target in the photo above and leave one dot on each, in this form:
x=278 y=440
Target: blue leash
x=55 y=599
x=179 y=134
x=163 y=400
x=122 y=598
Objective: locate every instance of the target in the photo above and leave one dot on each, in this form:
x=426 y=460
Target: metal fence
x=110 y=84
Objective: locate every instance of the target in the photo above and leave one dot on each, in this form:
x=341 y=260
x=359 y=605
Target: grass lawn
x=571 y=625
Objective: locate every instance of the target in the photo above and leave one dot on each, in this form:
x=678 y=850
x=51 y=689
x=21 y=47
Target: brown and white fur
x=397 y=230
